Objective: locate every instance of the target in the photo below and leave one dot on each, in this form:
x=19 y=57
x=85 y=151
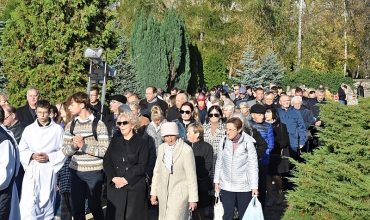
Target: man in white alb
x=41 y=157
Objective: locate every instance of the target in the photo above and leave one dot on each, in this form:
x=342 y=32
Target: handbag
x=218 y=209
x=254 y=210
x=205 y=184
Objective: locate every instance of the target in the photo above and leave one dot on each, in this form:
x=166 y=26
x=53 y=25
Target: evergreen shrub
x=311 y=78
x=334 y=181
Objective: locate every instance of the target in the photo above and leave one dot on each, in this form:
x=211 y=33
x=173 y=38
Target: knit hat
x=259 y=109
x=169 y=128
x=242 y=90
x=119 y=98
x=201 y=98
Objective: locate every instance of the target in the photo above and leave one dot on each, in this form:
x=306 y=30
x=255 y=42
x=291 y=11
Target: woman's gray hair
x=247 y=127
x=133 y=119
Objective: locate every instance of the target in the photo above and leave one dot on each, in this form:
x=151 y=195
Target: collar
x=154 y=100
x=44 y=125
x=90 y=118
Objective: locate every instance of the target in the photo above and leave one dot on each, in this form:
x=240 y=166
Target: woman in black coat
x=281 y=142
x=203 y=153
x=124 y=164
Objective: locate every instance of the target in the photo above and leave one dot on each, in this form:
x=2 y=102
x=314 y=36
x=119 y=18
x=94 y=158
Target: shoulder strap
x=94 y=127
x=223 y=145
x=73 y=124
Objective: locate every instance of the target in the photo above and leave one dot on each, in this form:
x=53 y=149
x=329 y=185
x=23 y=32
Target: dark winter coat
x=261 y=144
x=131 y=201
x=360 y=91
x=24 y=114
x=281 y=137
x=145 y=108
x=313 y=105
x=267 y=133
x=307 y=116
x=173 y=113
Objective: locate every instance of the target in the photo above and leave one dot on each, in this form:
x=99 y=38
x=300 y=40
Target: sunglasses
x=119 y=123
x=185 y=112
x=214 y=115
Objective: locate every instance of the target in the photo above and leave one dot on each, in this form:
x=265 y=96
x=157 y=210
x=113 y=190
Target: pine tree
x=51 y=37
x=125 y=79
x=248 y=76
x=160 y=52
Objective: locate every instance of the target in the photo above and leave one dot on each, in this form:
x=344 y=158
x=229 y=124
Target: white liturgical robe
x=39 y=182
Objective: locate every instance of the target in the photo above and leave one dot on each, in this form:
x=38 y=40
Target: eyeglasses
x=113 y=101
x=42 y=113
x=119 y=123
x=213 y=115
x=185 y=112
x=8 y=116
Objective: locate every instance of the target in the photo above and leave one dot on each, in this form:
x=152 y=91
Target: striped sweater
x=90 y=156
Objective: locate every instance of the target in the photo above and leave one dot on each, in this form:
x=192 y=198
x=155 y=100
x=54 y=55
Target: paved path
x=271 y=213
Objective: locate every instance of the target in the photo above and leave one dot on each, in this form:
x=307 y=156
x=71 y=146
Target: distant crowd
x=168 y=149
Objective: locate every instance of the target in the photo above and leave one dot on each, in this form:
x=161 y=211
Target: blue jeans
x=88 y=185
x=343 y=102
x=229 y=200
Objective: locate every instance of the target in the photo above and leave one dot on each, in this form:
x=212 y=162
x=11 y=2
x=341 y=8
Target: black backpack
x=94 y=127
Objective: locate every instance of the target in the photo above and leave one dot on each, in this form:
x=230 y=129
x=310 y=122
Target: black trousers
x=262 y=180
x=5 y=200
x=86 y=185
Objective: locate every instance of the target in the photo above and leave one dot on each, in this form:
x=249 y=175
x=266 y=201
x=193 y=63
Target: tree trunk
x=299 y=47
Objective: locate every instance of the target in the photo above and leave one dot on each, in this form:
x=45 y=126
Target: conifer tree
x=258 y=73
x=271 y=70
x=334 y=182
x=248 y=76
x=160 y=52
x=125 y=79
x=44 y=42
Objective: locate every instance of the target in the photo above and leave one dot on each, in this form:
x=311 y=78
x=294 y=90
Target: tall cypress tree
x=160 y=51
x=51 y=37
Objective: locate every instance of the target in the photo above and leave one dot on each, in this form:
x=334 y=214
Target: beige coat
x=175 y=191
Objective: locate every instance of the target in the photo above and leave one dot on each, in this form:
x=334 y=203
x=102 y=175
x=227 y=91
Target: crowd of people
x=168 y=149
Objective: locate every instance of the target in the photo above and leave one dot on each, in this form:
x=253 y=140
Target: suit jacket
x=17 y=128
x=24 y=114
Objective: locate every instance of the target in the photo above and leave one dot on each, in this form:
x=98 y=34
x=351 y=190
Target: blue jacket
x=267 y=132
x=295 y=126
